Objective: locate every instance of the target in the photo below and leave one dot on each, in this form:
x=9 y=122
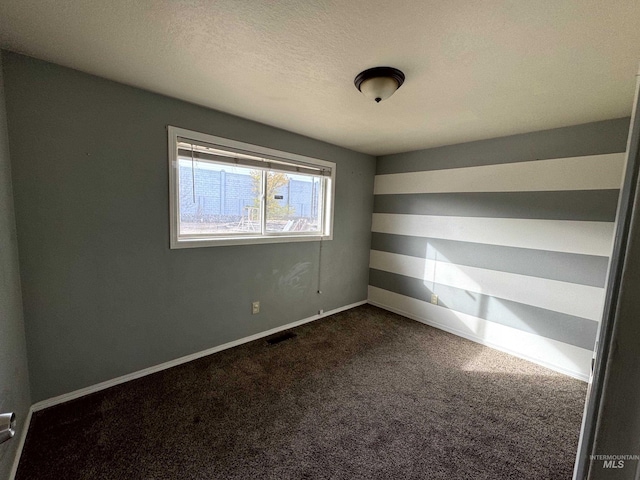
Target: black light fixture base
x=374 y=72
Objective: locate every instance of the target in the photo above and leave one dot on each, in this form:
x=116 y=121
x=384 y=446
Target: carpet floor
x=364 y=394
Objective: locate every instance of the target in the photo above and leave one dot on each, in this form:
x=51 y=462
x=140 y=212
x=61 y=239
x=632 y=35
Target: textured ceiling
x=475 y=69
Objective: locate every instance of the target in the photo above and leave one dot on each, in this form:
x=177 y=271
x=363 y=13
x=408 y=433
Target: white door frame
x=602 y=351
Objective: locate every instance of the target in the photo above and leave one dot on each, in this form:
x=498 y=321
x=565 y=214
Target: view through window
x=225 y=194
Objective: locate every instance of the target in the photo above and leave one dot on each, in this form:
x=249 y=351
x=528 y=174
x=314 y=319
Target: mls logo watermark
x=614 y=461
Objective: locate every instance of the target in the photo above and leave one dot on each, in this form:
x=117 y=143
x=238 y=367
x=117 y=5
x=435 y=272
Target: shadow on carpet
x=363 y=394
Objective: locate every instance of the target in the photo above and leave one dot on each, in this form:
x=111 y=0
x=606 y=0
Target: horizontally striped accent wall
x=515 y=245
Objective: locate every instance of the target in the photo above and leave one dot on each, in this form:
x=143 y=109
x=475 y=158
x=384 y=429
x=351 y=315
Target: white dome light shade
x=379 y=83
x=379 y=88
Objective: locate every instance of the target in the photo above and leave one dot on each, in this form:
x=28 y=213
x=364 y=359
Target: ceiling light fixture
x=379 y=83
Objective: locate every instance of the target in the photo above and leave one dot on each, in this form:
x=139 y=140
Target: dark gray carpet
x=359 y=395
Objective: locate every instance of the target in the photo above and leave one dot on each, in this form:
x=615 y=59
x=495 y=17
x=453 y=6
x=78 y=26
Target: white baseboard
x=23 y=437
x=178 y=361
x=194 y=356
x=474 y=338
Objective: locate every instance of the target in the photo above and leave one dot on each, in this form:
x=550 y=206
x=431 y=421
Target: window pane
x=219 y=199
x=294 y=203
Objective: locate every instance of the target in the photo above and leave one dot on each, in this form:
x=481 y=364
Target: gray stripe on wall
x=584 y=205
x=609 y=136
x=566 y=267
x=565 y=328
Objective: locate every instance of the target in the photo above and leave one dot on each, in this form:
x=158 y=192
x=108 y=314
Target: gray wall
x=103 y=293
x=513 y=234
x=14 y=378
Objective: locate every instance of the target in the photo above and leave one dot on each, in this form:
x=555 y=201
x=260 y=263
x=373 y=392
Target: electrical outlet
x=320 y=312
x=255 y=308
x=434 y=298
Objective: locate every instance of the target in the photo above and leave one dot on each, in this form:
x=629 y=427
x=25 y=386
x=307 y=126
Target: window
x=224 y=192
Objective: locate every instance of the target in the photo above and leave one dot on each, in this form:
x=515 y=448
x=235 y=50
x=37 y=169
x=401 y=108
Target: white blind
x=201 y=151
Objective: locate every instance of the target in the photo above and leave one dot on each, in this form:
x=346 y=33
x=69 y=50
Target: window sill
x=227 y=241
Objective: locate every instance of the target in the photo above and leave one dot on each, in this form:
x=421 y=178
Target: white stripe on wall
x=594 y=172
x=559 y=356
x=573 y=299
x=587 y=238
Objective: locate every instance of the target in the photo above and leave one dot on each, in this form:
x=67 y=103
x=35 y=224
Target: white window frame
x=328 y=193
